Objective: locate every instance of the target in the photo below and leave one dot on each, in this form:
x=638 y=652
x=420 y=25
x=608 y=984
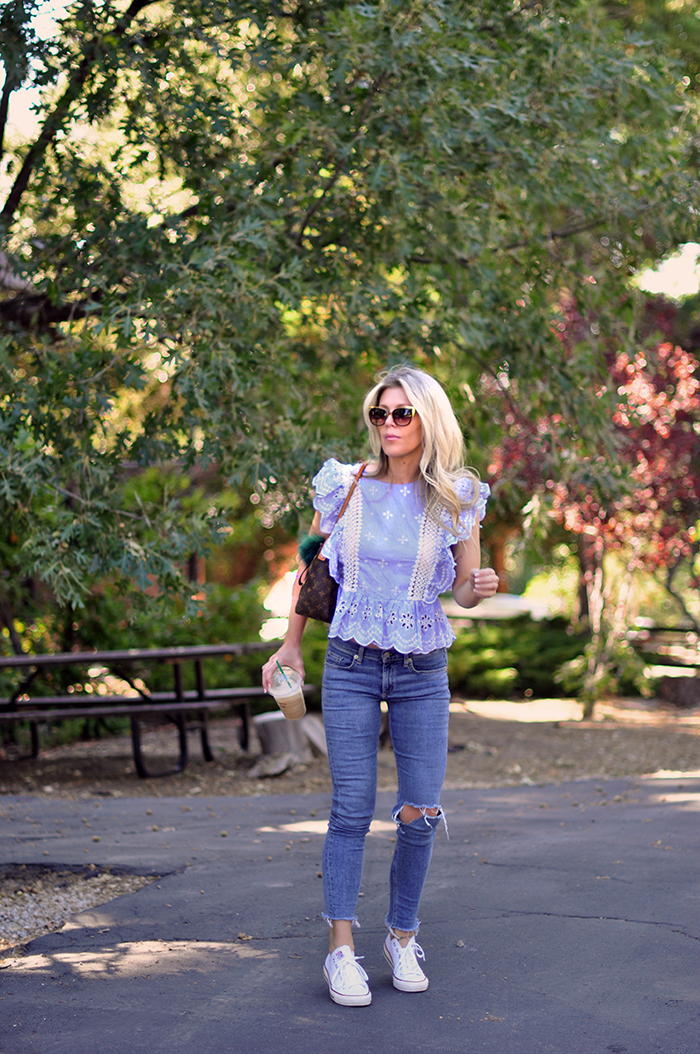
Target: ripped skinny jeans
x=355 y=681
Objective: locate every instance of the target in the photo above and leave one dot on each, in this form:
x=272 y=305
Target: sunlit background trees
x=223 y=218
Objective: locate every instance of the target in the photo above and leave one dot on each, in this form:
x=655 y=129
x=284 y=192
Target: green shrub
x=512 y=657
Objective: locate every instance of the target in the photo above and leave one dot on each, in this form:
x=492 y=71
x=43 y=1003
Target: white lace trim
x=426 y=559
x=352 y=528
x=342 y=546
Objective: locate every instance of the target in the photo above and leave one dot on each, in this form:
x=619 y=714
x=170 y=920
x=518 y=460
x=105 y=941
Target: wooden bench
x=188 y=709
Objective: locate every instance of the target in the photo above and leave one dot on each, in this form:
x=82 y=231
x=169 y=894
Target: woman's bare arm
x=473 y=583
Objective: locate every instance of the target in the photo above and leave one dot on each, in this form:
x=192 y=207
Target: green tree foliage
x=674 y=24
x=234 y=212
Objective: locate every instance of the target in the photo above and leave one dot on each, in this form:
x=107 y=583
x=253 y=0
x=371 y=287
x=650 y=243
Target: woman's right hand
x=287 y=655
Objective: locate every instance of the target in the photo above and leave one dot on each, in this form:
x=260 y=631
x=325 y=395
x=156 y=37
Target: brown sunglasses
x=401 y=415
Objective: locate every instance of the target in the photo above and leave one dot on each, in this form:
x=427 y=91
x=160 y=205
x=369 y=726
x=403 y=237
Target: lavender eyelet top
x=391 y=562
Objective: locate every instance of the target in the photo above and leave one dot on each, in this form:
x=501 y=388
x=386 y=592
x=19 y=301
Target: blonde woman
x=410 y=532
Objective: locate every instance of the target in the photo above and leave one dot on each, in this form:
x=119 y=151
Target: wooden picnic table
x=188 y=709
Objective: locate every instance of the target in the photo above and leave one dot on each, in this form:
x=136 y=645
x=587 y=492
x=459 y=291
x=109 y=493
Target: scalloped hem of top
x=412 y=648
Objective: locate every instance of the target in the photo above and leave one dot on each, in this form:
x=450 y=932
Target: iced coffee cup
x=287 y=691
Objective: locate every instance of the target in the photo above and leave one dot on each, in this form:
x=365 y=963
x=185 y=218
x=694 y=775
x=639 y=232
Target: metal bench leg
x=181 y=722
x=204 y=734
x=9 y=737
x=181 y=719
x=244 y=730
x=136 y=748
x=204 y=716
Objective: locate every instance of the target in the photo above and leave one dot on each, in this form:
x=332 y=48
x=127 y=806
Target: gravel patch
x=36 y=899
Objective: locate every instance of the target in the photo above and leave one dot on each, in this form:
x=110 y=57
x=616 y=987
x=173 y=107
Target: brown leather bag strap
x=319 y=554
x=363 y=466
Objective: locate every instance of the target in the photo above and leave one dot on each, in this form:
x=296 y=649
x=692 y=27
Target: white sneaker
x=407 y=974
x=347 y=981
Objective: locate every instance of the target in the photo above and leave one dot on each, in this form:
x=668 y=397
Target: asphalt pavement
x=556 y=920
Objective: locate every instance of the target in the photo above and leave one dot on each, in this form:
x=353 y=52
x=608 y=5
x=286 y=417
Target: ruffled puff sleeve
x=465 y=490
x=331 y=485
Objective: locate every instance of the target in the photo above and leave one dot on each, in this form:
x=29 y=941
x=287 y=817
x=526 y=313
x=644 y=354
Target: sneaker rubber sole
x=404 y=986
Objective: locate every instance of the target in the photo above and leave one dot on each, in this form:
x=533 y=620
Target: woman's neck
x=401 y=470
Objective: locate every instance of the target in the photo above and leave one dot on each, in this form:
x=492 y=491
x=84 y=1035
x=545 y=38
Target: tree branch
x=36 y=311
x=56 y=119
x=7 y=89
x=563 y=232
x=340 y=168
x=330 y=183
x=101 y=373
x=526 y=424
x=9 y=619
x=120 y=512
x=552 y=235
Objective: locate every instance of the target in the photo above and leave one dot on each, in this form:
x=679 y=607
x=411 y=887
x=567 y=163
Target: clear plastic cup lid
x=285 y=681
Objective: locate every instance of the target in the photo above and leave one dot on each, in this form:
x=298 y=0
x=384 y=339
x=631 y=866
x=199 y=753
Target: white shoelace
x=408 y=956
x=345 y=967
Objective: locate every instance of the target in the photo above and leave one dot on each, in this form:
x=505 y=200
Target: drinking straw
x=283 y=673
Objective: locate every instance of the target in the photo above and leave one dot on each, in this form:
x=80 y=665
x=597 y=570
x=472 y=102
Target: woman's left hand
x=484 y=582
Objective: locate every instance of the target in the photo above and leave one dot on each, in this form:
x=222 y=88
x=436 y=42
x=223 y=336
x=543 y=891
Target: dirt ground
x=492 y=744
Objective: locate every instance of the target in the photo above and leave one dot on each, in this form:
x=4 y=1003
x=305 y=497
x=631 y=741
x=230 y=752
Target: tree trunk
x=9 y=619
x=595 y=602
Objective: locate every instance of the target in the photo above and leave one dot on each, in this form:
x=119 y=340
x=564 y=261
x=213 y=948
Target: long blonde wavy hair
x=442 y=461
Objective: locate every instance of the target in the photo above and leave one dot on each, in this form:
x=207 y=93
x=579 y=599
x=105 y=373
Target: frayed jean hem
x=330 y=920
x=392 y=927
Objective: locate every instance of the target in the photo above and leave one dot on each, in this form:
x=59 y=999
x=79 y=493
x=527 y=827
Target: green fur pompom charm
x=309 y=547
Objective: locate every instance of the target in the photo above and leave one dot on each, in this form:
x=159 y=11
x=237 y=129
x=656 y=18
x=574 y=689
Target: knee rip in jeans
x=407 y=814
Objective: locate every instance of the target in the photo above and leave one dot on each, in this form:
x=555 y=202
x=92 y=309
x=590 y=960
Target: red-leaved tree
x=643 y=503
